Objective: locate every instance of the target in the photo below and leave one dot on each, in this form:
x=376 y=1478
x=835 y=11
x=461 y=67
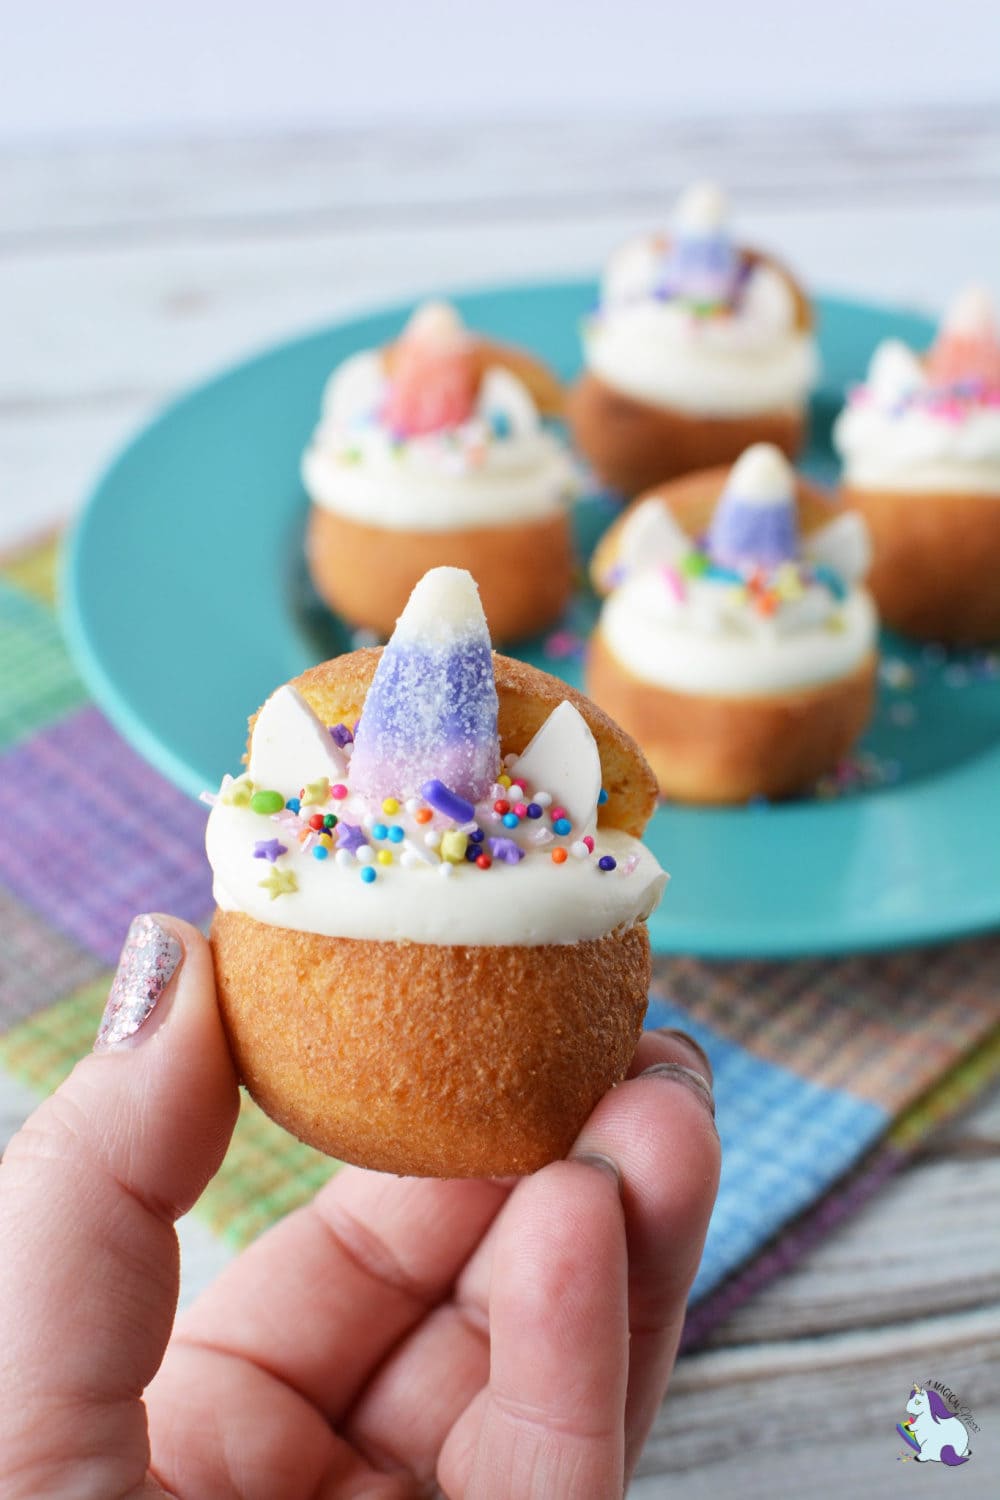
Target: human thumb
x=89 y=1191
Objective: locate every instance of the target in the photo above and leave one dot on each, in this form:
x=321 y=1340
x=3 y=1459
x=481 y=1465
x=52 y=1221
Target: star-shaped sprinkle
x=350 y=837
x=279 y=883
x=316 y=792
x=506 y=850
x=238 y=793
x=269 y=849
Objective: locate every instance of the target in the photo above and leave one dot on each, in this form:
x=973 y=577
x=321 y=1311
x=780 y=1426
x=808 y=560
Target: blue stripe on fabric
x=785 y=1141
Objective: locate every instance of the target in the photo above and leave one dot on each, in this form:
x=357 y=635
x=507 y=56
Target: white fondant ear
x=501 y=391
x=561 y=758
x=631 y=272
x=354 y=389
x=651 y=536
x=290 y=746
x=894 y=371
x=843 y=545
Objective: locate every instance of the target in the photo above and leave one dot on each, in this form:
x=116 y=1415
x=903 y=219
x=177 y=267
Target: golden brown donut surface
x=427 y=1060
x=366 y=573
x=725 y=750
x=936 y=570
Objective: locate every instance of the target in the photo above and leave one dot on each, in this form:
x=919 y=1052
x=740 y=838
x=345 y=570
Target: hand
x=397 y=1335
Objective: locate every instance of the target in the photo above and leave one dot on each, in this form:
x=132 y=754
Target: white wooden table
x=128 y=272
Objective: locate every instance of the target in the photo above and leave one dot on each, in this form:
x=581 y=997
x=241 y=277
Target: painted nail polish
x=149 y=959
x=677 y=1073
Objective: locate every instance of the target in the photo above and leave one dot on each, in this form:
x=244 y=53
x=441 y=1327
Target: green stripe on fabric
x=38 y=683
x=266 y=1173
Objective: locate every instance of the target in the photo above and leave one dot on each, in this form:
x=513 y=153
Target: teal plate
x=186 y=603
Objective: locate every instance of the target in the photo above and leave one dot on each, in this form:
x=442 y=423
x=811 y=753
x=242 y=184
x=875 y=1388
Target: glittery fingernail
x=149 y=959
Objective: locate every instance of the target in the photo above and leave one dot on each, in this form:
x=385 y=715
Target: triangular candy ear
x=562 y=759
x=290 y=747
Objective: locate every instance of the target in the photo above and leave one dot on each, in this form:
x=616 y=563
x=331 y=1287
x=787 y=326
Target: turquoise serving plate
x=187 y=603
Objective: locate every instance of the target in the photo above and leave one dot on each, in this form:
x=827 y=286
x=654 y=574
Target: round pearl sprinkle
x=266 y=802
x=396 y=834
x=521 y=808
x=390 y=806
x=316 y=821
x=502 y=806
x=561 y=826
x=344 y=858
x=422 y=815
x=589 y=843
x=330 y=821
x=365 y=854
x=384 y=856
x=534 y=809
x=483 y=861
x=602 y=797
x=559 y=856
x=476 y=836
x=445 y=869
x=339 y=791
x=293 y=804
x=409 y=860
x=579 y=850
x=504 y=780
x=543 y=799
x=606 y=862
x=325 y=841
x=557 y=813
x=432 y=838
x=510 y=820
x=379 y=830
x=320 y=852
x=367 y=874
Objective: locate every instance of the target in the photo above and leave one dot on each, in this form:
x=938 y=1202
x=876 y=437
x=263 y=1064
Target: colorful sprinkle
x=396 y=834
x=367 y=874
x=559 y=856
x=562 y=826
x=606 y=862
x=501 y=806
x=602 y=797
x=447 y=802
x=317 y=821
x=316 y=792
x=269 y=849
x=510 y=820
x=454 y=845
x=384 y=856
x=266 y=802
x=484 y=862
x=534 y=810
x=423 y=815
x=339 y=791
x=351 y=837
x=579 y=850
x=330 y=820
x=294 y=804
x=379 y=830
x=365 y=855
x=506 y=850
x=390 y=806
x=341 y=735
x=320 y=852
x=589 y=843
x=238 y=793
x=279 y=883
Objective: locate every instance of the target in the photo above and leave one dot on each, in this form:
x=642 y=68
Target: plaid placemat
x=829 y=1074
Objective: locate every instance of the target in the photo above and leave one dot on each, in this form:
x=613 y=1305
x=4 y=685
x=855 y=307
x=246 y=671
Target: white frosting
x=532 y=903
x=893 y=435
x=465 y=476
x=751 y=360
x=424 y=890
x=695 y=647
